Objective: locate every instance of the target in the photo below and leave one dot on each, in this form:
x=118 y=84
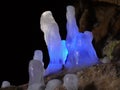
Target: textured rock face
x=111 y=1
x=111 y=49
x=99 y=77
x=102 y=19
x=115 y=53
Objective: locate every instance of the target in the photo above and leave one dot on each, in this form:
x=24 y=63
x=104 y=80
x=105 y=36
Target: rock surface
x=98 y=77
x=102 y=19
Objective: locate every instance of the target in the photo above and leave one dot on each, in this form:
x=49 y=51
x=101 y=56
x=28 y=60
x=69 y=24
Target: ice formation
x=80 y=49
x=64 y=51
x=105 y=60
x=36 y=72
x=71 y=82
x=72 y=29
x=75 y=52
x=5 y=84
x=55 y=45
x=36 y=86
x=52 y=84
x=38 y=55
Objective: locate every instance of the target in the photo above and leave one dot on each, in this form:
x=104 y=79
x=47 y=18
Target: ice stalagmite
x=5 y=84
x=80 y=50
x=36 y=72
x=72 y=29
x=38 y=55
x=52 y=84
x=53 y=42
x=71 y=82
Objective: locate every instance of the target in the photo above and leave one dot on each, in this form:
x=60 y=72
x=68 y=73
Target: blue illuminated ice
x=81 y=52
x=72 y=29
x=76 y=51
x=64 y=51
x=56 y=47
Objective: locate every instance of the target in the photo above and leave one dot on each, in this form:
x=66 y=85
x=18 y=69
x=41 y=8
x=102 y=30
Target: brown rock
x=116 y=53
x=98 y=77
x=9 y=88
x=61 y=88
x=102 y=19
x=111 y=1
x=101 y=77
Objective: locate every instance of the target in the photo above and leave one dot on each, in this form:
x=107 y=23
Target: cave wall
x=111 y=1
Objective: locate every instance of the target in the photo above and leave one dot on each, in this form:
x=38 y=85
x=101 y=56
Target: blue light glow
x=80 y=50
x=53 y=68
x=75 y=52
x=64 y=51
x=82 y=53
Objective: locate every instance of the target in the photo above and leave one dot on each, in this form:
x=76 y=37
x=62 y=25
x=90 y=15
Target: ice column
x=56 y=47
x=72 y=29
x=38 y=55
x=36 y=72
x=52 y=84
x=71 y=82
x=5 y=84
x=80 y=49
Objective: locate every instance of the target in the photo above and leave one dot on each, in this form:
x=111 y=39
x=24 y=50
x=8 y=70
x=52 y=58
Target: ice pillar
x=80 y=50
x=53 y=41
x=36 y=72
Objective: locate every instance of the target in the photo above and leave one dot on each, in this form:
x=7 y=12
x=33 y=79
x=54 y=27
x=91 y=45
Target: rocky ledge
x=98 y=77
